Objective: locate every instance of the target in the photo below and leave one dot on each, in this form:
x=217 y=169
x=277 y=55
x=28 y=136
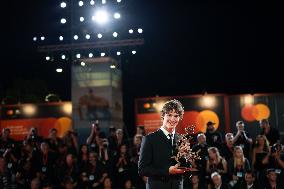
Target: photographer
x=274 y=159
x=242 y=138
x=91 y=140
x=33 y=138
x=103 y=148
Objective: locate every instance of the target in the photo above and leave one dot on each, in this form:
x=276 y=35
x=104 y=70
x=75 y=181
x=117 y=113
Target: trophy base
x=185 y=168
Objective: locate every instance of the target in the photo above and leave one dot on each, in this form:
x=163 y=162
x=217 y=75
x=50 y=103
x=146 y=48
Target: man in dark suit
x=157 y=149
x=217 y=181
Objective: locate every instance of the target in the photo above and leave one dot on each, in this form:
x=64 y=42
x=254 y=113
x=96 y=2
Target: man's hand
x=173 y=170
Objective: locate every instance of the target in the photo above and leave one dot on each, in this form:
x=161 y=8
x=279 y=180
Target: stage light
x=59 y=70
x=47 y=58
x=116 y=15
x=112 y=66
x=114 y=34
x=82 y=19
x=67 y=108
x=118 y=1
x=92 y=2
x=103 y=54
x=78 y=55
x=140 y=30
x=61 y=38
x=63 y=20
x=103 y=2
x=101 y=17
x=248 y=100
x=29 y=110
x=83 y=63
x=63 y=5
x=63 y=57
x=34 y=38
x=76 y=37
x=100 y=35
x=208 y=101
x=133 y=52
x=91 y=55
x=88 y=36
x=81 y=3
x=42 y=38
x=130 y=31
x=118 y=53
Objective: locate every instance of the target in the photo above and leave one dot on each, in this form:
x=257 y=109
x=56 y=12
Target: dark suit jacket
x=155 y=160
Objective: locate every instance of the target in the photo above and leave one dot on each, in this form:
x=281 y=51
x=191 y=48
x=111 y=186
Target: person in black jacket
x=157 y=149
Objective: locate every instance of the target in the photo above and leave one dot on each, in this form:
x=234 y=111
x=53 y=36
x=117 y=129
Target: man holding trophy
x=162 y=150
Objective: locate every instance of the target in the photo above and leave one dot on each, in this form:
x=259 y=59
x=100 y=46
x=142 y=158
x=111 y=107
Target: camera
x=276 y=148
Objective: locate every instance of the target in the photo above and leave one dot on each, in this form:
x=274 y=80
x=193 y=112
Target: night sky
x=190 y=47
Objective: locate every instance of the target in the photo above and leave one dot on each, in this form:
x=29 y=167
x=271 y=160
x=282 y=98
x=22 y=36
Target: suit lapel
x=163 y=136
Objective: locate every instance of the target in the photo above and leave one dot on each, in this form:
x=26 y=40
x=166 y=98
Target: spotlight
x=47 y=58
x=112 y=66
x=61 y=38
x=81 y=3
x=130 y=31
x=83 y=63
x=116 y=15
x=103 y=54
x=63 y=5
x=63 y=57
x=103 y=2
x=82 y=19
x=133 y=52
x=67 y=108
x=101 y=17
x=140 y=30
x=91 y=55
x=100 y=35
x=34 y=38
x=63 y=20
x=92 y=2
x=114 y=34
x=118 y=53
x=78 y=55
x=29 y=110
x=118 y=1
x=76 y=37
x=208 y=101
x=59 y=70
x=88 y=36
x=42 y=38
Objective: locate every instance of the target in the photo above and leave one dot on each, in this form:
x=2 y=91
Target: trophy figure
x=185 y=155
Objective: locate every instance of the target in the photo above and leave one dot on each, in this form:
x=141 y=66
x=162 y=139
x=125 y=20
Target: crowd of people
x=109 y=160
x=238 y=162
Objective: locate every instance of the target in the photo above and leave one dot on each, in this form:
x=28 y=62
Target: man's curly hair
x=173 y=105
